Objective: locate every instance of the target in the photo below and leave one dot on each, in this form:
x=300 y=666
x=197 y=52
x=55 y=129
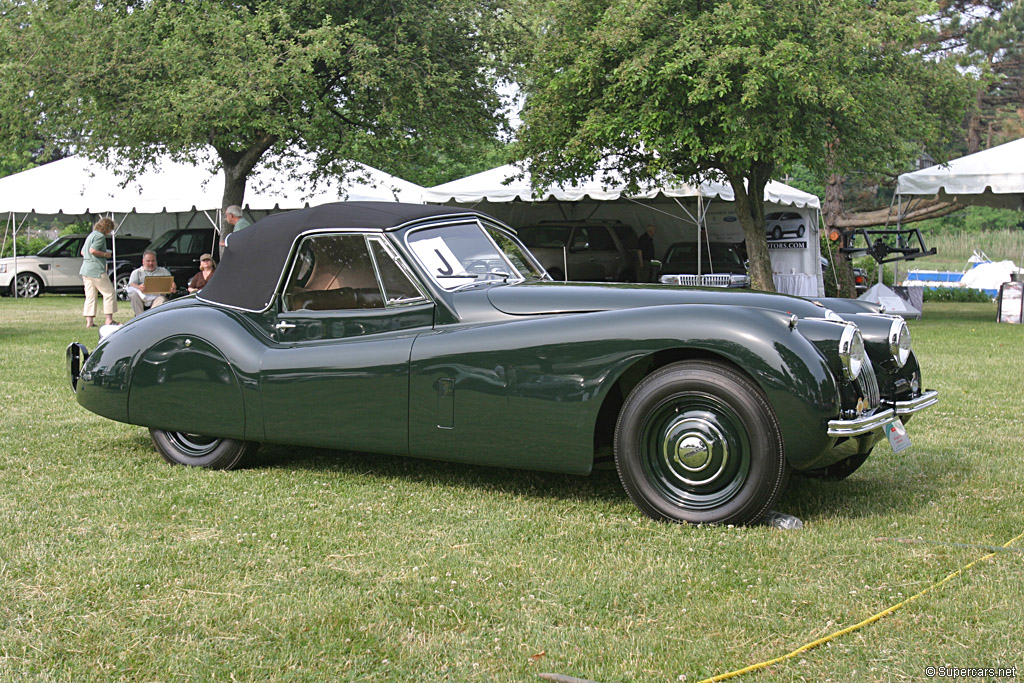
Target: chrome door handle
x=282 y=326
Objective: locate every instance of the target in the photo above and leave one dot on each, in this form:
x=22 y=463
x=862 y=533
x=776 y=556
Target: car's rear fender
x=179 y=368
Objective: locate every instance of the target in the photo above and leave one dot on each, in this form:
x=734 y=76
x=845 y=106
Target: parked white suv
x=55 y=268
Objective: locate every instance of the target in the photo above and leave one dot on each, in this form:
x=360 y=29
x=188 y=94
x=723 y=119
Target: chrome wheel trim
x=695 y=451
x=26 y=286
x=193 y=445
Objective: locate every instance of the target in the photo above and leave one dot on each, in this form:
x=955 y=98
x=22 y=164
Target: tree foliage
x=384 y=84
x=741 y=89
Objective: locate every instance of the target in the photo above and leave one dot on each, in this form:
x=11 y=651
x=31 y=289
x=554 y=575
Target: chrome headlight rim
x=900 y=345
x=852 y=352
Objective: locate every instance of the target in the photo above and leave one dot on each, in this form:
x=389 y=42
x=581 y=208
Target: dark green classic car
x=433 y=332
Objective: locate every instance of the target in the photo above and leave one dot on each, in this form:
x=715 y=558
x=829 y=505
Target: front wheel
x=26 y=286
x=121 y=286
x=181 y=448
x=697 y=442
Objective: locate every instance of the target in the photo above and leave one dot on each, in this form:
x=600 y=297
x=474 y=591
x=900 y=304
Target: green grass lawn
x=318 y=565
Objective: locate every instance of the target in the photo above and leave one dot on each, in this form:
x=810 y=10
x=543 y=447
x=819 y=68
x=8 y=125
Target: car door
x=61 y=268
x=583 y=262
x=338 y=372
x=606 y=253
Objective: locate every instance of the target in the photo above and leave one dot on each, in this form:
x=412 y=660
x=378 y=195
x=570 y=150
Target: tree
x=376 y=83
x=981 y=37
x=740 y=90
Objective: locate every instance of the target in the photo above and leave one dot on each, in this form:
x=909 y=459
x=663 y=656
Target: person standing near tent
x=94 y=273
x=645 y=243
x=233 y=217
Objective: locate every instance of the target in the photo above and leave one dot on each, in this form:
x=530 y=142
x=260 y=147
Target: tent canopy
x=678 y=211
x=508 y=183
x=78 y=187
x=992 y=177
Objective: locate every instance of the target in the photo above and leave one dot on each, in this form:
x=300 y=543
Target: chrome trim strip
x=926 y=400
x=861 y=425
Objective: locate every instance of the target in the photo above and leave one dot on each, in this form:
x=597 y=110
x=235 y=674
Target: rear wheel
x=698 y=442
x=195 y=450
x=26 y=286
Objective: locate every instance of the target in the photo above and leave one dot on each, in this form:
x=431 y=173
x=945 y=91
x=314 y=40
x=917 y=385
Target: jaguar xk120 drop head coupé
x=433 y=332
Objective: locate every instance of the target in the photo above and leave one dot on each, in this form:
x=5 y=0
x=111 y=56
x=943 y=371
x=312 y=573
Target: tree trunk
x=238 y=166
x=840 y=267
x=749 y=193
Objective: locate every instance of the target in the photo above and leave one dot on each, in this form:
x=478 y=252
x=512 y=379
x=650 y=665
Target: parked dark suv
x=720 y=264
x=176 y=250
x=587 y=251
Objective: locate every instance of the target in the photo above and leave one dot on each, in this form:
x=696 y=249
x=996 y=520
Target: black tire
x=697 y=442
x=777 y=233
x=26 y=286
x=837 y=471
x=800 y=231
x=194 y=450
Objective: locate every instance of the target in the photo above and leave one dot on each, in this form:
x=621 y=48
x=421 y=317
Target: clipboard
x=159 y=284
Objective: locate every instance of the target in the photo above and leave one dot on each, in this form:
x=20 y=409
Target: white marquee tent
x=992 y=177
x=675 y=210
x=174 y=194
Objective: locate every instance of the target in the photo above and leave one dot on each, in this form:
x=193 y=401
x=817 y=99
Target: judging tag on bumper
x=897 y=435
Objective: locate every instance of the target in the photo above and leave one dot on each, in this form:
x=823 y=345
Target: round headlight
x=851 y=352
x=899 y=342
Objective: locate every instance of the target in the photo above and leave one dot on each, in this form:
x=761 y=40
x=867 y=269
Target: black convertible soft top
x=252 y=262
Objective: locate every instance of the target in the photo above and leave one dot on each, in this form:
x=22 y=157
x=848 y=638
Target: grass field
x=322 y=566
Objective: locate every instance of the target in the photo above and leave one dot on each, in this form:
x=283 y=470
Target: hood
x=538 y=298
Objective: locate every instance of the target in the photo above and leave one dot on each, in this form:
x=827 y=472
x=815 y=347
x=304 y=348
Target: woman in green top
x=94 y=273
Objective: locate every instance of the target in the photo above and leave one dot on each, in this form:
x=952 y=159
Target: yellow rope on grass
x=850 y=629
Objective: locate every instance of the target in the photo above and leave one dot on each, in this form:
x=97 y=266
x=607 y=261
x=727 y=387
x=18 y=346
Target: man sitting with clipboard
x=149 y=285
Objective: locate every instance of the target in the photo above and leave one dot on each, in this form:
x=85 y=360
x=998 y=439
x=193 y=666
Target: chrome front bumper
x=869 y=423
x=926 y=400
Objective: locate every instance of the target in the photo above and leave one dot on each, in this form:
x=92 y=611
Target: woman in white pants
x=94 y=273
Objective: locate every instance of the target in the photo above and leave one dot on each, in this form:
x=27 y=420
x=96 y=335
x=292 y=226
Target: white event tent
x=173 y=194
x=992 y=177
x=675 y=209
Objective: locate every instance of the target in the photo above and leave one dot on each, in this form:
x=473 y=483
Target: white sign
x=440 y=260
x=897 y=435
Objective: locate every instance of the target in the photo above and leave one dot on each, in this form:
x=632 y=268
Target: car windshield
x=61 y=245
x=161 y=241
x=467 y=254
x=686 y=254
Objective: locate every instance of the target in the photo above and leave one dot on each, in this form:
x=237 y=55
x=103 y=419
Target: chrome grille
x=867 y=384
x=701 y=280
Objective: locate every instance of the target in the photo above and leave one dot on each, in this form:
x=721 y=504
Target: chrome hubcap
x=695 y=450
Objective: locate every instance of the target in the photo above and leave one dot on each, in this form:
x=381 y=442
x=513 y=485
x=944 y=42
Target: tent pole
x=12 y=221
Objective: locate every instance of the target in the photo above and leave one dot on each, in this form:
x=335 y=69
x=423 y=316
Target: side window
x=601 y=239
x=332 y=272
x=72 y=248
x=398 y=287
x=581 y=240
